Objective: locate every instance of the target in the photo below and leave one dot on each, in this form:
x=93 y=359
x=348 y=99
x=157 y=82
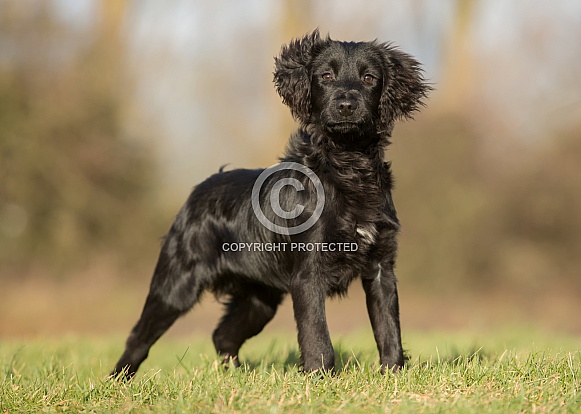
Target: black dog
x=346 y=96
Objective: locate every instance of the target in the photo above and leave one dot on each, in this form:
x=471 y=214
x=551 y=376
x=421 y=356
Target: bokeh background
x=110 y=111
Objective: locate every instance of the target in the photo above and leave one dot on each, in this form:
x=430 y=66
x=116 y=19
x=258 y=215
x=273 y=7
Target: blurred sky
x=516 y=61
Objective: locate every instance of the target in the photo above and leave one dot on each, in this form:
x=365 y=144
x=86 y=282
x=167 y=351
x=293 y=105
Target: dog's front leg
x=383 y=308
x=308 y=296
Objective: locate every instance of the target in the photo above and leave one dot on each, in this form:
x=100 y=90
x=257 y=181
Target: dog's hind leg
x=246 y=315
x=155 y=319
x=175 y=288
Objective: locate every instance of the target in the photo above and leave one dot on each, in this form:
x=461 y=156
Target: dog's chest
x=361 y=213
x=366 y=209
x=362 y=221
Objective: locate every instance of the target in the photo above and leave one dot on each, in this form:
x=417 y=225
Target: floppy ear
x=404 y=87
x=291 y=75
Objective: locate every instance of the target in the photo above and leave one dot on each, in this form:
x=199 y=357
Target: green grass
x=512 y=371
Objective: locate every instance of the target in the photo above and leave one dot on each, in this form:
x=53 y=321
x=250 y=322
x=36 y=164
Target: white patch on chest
x=367 y=234
x=378 y=276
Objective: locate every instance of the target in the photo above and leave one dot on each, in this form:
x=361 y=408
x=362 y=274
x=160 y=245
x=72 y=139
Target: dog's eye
x=327 y=76
x=367 y=78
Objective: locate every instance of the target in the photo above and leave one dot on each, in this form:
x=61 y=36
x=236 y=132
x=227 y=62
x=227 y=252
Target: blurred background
x=111 y=111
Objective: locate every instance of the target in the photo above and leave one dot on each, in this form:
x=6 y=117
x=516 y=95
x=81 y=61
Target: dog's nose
x=346 y=107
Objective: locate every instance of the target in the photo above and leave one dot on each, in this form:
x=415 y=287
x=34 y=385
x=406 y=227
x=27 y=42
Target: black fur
x=346 y=96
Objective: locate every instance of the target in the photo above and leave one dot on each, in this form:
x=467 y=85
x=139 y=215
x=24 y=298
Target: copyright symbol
x=275 y=198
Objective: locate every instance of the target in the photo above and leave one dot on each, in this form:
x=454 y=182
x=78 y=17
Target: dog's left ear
x=291 y=74
x=404 y=87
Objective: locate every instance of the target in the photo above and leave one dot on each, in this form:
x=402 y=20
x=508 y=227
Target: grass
x=503 y=372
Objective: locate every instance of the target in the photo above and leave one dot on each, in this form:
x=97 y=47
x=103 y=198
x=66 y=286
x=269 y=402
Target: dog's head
x=348 y=87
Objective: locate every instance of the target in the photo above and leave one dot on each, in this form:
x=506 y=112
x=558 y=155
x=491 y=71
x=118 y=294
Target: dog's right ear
x=291 y=75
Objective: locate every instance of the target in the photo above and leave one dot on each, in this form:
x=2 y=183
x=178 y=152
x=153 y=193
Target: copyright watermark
x=290 y=247
x=274 y=198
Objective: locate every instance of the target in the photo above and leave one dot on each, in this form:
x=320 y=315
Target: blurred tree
x=441 y=201
x=468 y=226
x=537 y=243
x=71 y=185
x=295 y=21
x=457 y=71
